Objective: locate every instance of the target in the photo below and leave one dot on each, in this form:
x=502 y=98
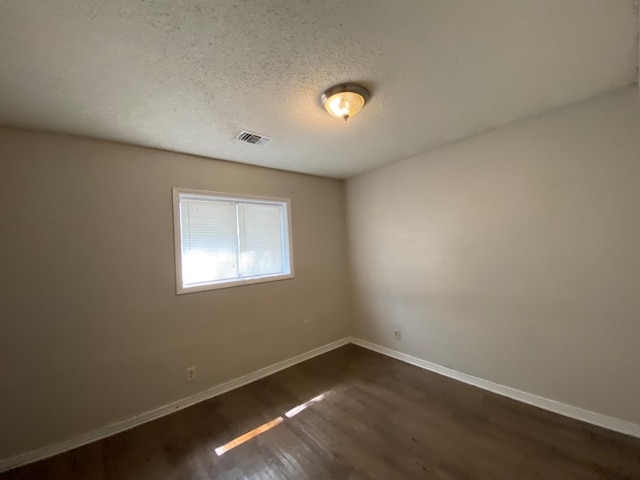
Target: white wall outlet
x=397 y=334
x=191 y=374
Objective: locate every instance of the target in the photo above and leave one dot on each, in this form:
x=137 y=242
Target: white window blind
x=225 y=240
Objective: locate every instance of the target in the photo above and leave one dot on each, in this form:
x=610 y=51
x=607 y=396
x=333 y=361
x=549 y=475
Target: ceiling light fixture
x=344 y=100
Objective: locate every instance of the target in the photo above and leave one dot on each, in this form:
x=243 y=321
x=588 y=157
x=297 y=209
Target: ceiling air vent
x=253 y=138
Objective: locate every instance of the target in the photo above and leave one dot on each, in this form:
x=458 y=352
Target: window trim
x=235 y=197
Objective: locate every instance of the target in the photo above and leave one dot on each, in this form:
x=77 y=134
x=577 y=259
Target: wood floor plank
x=380 y=419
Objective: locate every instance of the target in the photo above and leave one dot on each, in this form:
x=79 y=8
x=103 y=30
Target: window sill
x=232 y=283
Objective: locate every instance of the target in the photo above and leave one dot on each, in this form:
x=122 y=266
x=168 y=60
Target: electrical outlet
x=397 y=334
x=191 y=374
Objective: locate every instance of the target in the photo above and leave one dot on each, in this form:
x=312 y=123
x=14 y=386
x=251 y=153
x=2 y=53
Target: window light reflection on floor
x=269 y=425
x=296 y=410
x=248 y=436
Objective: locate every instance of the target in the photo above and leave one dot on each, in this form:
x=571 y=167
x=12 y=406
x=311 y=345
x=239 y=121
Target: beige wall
x=513 y=256
x=91 y=330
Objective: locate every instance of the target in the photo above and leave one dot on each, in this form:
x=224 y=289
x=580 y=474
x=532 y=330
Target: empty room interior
x=319 y=239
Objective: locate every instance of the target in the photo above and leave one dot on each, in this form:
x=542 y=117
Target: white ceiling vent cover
x=252 y=138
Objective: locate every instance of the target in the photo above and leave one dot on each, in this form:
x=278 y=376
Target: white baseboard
x=593 y=418
x=99 y=433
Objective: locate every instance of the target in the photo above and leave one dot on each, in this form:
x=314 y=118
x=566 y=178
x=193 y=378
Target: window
x=223 y=240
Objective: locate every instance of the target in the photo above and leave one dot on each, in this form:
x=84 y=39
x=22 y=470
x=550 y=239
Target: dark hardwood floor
x=380 y=419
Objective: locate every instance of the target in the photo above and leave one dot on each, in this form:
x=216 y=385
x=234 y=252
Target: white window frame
x=234 y=197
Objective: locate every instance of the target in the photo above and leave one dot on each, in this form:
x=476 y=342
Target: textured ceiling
x=188 y=75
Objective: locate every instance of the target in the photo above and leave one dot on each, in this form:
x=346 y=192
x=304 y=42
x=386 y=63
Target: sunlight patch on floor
x=221 y=450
